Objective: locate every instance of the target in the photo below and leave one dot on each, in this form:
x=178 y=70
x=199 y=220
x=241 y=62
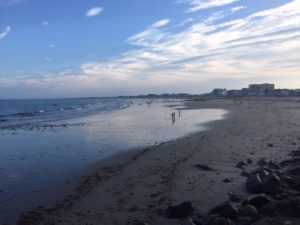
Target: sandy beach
x=138 y=186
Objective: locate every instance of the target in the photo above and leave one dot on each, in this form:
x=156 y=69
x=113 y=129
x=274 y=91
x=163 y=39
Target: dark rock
x=248 y=211
x=227 y=210
x=268 y=209
x=227 y=180
x=271 y=183
x=264 y=181
x=294 y=170
x=284 y=206
x=204 y=220
x=273 y=165
x=181 y=210
x=258 y=200
x=295 y=207
x=204 y=167
x=245 y=173
x=278 y=221
x=295 y=153
x=254 y=183
x=221 y=221
x=241 y=164
x=234 y=197
x=244 y=220
x=270 y=145
x=249 y=161
x=262 y=162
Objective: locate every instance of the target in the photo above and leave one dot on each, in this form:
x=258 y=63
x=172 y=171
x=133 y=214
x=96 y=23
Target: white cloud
x=94 y=11
x=186 y=21
x=160 y=23
x=237 y=8
x=264 y=46
x=45 y=23
x=197 y=5
x=150 y=36
x=5 y=32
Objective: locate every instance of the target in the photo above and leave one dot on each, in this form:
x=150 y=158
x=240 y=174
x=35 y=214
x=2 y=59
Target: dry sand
x=139 y=185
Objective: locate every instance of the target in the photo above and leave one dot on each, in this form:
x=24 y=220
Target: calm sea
x=21 y=112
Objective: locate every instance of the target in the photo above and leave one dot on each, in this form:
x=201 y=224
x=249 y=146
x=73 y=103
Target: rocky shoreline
x=275 y=198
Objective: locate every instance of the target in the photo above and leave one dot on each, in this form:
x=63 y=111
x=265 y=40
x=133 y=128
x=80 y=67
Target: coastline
x=141 y=188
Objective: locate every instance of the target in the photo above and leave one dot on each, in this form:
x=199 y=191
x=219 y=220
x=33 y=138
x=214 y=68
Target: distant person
x=173 y=117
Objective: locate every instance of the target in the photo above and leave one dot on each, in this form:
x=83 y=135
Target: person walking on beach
x=173 y=117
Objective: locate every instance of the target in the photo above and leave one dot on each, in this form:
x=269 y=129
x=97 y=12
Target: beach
x=60 y=153
x=140 y=185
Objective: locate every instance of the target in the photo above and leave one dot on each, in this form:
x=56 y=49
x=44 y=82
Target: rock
x=234 y=197
x=294 y=170
x=254 y=183
x=249 y=161
x=262 y=162
x=264 y=181
x=258 y=200
x=227 y=180
x=271 y=183
x=221 y=221
x=284 y=206
x=243 y=220
x=181 y=210
x=241 y=164
x=203 y=167
x=295 y=207
x=248 y=211
x=245 y=173
x=270 y=145
x=268 y=209
x=189 y=221
x=227 y=210
x=273 y=165
x=204 y=219
x=141 y=223
x=278 y=221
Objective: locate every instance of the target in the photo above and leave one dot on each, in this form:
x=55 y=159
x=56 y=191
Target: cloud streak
x=197 y=5
x=5 y=32
x=95 y=11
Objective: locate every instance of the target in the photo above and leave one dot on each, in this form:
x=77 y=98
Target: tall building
x=260 y=89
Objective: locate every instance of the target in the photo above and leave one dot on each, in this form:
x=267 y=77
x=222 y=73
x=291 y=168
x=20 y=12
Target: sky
x=59 y=48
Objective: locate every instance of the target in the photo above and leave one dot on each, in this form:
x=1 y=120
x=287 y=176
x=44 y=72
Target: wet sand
x=42 y=164
x=140 y=185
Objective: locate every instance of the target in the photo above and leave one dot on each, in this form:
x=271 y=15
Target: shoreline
x=166 y=174
x=56 y=159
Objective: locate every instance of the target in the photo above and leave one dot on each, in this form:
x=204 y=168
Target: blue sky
x=60 y=48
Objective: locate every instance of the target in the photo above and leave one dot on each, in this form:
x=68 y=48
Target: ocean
x=24 y=112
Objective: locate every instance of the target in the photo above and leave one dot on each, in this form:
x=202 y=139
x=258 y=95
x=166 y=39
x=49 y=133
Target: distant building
x=245 y=91
x=219 y=92
x=282 y=92
x=260 y=89
x=234 y=93
x=297 y=92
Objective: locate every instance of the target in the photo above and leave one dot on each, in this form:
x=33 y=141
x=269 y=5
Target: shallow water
x=38 y=166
